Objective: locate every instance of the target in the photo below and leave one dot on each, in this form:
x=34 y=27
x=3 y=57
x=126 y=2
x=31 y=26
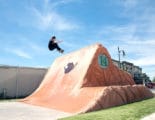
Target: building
x=136 y=71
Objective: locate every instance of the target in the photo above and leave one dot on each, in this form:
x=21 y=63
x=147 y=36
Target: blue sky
x=27 y=25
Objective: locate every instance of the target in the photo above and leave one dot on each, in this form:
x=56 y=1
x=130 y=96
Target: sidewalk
x=152 y=116
x=22 y=111
x=153 y=90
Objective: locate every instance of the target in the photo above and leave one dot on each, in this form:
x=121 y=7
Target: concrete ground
x=153 y=90
x=22 y=111
x=152 y=116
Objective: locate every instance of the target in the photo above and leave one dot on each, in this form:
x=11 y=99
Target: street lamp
x=119 y=56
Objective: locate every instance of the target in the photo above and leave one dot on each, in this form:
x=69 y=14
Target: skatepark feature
x=86 y=80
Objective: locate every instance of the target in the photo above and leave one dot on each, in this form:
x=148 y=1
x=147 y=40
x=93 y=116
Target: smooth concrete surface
x=22 y=111
x=149 y=117
x=153 y=90
x=18 y=82
x=86 y=80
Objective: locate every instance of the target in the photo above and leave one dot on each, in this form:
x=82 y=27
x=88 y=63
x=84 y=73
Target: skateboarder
x=53 y=44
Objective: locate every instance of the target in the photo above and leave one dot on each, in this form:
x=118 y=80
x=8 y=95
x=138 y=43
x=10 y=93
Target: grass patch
x=133 y=111
x=8 y=100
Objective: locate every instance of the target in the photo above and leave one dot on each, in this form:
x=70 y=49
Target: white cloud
x=46 y=2
x=21 y=53
x=139 y=42
x=144 y=61
x=69 y=44
x=45 y=16
x=49 y=19
x=150 y=71
x=24 y=47
x=144 y=51
x=36 y=49
x=137 y=37
x=62 y=2
x=119 y=33
x=128 y=4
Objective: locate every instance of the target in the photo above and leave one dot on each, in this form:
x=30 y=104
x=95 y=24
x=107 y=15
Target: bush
x=153 y=79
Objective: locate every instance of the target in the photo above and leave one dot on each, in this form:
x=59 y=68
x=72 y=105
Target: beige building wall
x=18 y=82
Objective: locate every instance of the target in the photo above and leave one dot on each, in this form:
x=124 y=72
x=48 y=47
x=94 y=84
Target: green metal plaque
x=103 y=61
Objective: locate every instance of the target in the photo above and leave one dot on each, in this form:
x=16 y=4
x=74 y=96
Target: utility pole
x=119 y=56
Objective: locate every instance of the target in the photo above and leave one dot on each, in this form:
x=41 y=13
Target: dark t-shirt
x=51 y=45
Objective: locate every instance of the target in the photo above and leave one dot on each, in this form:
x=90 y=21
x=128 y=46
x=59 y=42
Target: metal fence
x=18 y=82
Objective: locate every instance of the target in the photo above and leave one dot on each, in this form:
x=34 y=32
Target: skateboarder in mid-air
x=53 y=44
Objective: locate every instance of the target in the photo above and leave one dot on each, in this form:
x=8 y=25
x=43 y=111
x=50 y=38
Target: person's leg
x=58 y=48
x=51 y=48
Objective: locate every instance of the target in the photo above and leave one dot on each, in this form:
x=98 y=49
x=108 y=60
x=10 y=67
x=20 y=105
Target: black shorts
x=52 y=46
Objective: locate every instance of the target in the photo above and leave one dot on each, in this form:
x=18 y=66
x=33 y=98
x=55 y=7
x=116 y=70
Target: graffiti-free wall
x=17 y=82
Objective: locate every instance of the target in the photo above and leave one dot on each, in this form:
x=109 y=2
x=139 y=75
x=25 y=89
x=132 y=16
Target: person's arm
x=58 y=41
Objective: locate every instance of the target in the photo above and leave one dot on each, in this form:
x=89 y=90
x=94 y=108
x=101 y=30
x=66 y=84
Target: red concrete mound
x=86 y=80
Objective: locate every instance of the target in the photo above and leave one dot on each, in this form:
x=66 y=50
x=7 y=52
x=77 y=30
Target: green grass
x=8 y=100
x=134 y=111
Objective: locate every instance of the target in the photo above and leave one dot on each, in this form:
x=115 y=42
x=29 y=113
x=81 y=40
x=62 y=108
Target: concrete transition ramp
x=84 y=81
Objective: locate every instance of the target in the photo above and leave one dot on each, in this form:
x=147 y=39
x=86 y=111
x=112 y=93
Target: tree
x=153 y=79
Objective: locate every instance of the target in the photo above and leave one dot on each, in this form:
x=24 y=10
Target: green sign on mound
x=103 y=61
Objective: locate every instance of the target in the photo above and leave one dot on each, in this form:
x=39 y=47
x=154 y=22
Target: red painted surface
x=84 y=85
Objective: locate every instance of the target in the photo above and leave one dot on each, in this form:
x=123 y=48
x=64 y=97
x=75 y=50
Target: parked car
x=153 y=83
x=150 y=85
